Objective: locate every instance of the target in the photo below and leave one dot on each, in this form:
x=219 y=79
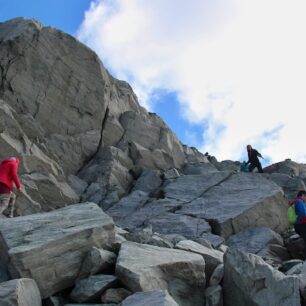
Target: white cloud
x=239 y=64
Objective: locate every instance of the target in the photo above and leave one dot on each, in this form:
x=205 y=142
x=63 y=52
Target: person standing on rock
x=253 y=159
x=300 y=210
x=8 y=176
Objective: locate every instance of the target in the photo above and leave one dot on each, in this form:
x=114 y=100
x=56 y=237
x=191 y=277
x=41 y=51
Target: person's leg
x=251 y=167
x=301 y=230
x=11 y=204
x=4 y=201
x=259 y=168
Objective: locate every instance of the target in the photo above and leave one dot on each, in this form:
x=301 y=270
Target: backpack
x=244 y=167
x=291 y=214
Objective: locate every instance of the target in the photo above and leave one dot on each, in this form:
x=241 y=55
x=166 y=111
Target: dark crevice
x=218 y=184
x=99 y=144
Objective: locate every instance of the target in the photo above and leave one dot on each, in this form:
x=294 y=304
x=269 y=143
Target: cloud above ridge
x=238 y=66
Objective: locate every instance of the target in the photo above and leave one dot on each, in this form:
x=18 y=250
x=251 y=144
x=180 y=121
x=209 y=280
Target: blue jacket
x=300 y=210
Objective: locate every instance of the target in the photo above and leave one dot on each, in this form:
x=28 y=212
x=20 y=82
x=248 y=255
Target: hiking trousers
x=257 y=165
x=7 y=200
x=301 y=230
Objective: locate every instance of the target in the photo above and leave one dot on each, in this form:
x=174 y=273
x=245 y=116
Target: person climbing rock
x=253 y=159
x=8 y=176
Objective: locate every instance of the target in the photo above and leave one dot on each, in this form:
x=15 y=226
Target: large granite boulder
x=248 y=280
x=142 y=267
x=50 y=247
x=234 y=203
x=261 y=241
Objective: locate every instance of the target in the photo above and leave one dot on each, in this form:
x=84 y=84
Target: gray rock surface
x=212 y=257
x=150 y=298
x=50 y=247
x=248 y=280
x=143 y=267
x=91 y=288
x=20 y=292
x=115 y=295
x=234 y=202
x=261 y=241
x=97 y=260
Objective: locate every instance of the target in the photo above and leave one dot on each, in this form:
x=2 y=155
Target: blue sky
x=222 y=74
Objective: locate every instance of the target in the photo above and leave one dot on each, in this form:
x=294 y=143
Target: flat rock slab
x=240 y=201
x=150 y=298
x=20 y=292
x=142 y=267
x=50 y=247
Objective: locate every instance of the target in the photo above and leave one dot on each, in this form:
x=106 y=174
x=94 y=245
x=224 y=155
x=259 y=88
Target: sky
x=222 y=74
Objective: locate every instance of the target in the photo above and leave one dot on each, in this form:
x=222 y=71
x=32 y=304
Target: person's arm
x=300 y=208
x=15 y=177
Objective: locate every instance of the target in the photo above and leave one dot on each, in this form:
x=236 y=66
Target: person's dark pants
x=258 y=166
x=301 y=230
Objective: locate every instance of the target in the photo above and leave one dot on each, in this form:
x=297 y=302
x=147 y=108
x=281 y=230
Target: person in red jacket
x=8 y=176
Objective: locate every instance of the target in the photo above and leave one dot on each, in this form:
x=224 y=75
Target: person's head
x=302 y=194
x=249 y=147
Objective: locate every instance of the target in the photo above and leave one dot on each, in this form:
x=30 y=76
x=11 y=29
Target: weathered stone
x=193 y=155
x=199 y=168
x=150 y=298
x=91 y=289
x=143 y=267
x=137 y=210
x=46 y=190
x=237 y=202
x=171 y=174
x=127 y=206
x=50 y=247
x=97 y=260
x=188 y=188
x=211 y=257
x=171 y=223
x=115 y=295
x=20 y=292
x=149 y=181
x=78 y=185
x=248 y=280
x=288 y=167
x=217 y=275
x=261 y=241
x=214 y=296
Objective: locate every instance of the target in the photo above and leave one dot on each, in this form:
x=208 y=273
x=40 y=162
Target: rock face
x=50 y=247
x=144 y=268
x=63 y=113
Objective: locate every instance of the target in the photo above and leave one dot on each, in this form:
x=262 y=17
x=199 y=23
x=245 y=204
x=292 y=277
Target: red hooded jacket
x=8 y=173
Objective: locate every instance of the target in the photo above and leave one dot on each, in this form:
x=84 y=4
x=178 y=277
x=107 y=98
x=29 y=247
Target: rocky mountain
x=115 y=210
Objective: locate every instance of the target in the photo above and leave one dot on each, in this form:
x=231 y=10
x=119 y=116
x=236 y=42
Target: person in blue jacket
x=300 y=210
